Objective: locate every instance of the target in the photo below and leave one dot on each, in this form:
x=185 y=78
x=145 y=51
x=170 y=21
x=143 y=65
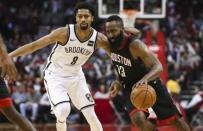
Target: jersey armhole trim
x=95 y=42
x=53 y=51
x=67 y=37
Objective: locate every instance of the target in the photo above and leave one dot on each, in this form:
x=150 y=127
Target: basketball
x=143 y=97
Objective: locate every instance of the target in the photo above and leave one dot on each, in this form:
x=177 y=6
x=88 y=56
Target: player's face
x=84 y=19
x=113 y=31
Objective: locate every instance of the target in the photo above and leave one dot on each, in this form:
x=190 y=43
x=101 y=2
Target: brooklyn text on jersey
x=80 y=50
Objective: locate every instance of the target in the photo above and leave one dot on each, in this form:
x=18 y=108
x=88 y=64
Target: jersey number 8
x=74 y=60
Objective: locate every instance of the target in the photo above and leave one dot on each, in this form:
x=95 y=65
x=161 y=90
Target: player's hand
x=133 y=31
x=143 y=81
x=115 y=88
x=8 y=69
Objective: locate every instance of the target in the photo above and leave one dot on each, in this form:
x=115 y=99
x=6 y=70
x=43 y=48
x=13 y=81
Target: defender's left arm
x=139 y=50
x=102 y=42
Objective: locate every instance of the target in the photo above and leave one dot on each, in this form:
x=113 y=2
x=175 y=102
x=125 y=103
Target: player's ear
x=92 y=18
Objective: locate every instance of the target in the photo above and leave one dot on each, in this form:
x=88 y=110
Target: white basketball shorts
x=73 y=89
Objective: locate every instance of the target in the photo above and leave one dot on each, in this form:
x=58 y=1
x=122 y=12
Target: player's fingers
x=141 y=82
x=3 y=72
x=137 y=84
x=6 y=77
x=112 y=91
x=134 y=86
x=113 y=94
x=145 y=82
x=12 y=72
x=113 y=87
x=8 y=73
x=112 y=84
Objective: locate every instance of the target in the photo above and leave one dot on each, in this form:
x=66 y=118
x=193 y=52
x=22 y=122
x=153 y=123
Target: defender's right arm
x=59 y=35
x=102 y=42
x=3 y=51
x=7 y=66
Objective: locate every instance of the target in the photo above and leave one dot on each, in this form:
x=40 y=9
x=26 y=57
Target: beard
x=83 y=26
x=117 y=40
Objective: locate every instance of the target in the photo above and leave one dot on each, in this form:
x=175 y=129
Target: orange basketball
x=143 y=97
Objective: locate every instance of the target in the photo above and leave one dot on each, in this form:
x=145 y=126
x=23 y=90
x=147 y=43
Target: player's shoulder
x=136 y=43
x=61 y=30
x=134 y=40
x=60 y=34
x=138 y=48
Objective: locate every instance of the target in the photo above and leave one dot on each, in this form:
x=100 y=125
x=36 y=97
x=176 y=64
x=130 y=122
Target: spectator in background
x=19 y=96
x=102 y=93
x=173 y=86
x=103 y=68
x=194 y=105
x=44 y=108
x=31 y=104
x=102 y=100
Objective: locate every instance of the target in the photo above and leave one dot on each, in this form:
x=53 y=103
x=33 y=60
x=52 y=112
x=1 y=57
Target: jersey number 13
x=121 y=70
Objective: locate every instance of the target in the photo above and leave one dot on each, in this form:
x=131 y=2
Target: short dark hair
x=84 y=5
x=115 y=18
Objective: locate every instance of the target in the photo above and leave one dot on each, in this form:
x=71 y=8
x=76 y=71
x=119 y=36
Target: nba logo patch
x=89 y=97
x=90 y=43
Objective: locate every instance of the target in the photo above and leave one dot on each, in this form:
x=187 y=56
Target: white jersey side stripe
x=95 y=41
x=68 y=35
x=49 y=58
x=53 y=51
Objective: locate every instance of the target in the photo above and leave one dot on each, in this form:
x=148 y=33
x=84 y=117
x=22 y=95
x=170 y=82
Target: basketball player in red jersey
x=136 y=65
x=9 y=71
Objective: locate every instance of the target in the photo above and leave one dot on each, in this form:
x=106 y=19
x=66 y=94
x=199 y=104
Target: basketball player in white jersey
x=64 y=78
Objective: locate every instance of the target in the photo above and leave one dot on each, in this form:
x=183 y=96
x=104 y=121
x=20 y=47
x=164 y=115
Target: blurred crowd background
x=24 y=21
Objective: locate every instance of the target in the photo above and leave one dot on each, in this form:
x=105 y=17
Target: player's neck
x=83 y=34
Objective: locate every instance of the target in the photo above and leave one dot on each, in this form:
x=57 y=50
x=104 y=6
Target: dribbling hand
x=115 y=88
x=140 y=82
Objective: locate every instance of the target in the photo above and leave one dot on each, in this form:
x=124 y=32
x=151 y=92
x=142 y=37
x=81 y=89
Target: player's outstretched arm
x=139 y=50
x=59 y=35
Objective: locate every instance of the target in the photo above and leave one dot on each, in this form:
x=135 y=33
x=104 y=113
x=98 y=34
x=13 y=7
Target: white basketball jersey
x=68 y=59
